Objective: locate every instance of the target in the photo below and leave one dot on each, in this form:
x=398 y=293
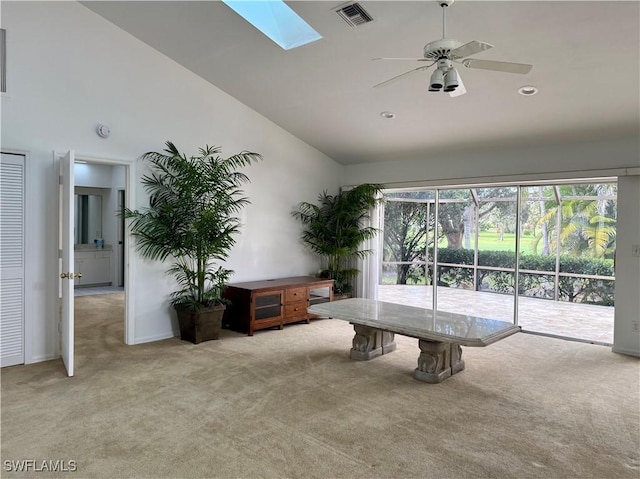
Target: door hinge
x=60 y=180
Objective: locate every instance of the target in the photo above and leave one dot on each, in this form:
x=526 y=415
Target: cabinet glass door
x=319 y=295
x=268 y=305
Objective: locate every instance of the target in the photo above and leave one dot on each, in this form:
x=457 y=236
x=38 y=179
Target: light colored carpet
x=291 y=404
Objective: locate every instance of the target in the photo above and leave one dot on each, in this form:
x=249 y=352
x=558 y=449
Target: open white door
x=67 y=275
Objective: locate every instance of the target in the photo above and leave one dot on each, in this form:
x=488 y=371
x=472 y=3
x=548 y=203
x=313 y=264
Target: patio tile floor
x=573 y=320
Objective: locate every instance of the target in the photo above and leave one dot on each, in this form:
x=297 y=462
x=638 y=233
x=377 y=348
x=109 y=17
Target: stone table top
x=417 y=322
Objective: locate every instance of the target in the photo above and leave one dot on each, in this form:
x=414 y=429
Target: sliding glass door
x=407 y=259
x=468 y=250
x=567 y=260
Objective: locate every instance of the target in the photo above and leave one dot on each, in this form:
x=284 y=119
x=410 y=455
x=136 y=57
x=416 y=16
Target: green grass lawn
x=490 y=241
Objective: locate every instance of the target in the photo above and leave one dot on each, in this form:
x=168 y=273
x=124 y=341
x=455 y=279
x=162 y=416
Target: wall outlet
x=636 y=326
x=635 y=250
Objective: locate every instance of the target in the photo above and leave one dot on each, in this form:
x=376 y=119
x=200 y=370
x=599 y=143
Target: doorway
x=102 y=257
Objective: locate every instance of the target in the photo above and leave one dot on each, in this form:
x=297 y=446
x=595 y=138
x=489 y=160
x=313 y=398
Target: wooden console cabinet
x=275 y=302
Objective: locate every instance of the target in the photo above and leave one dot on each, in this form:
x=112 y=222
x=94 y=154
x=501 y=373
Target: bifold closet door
x=12 y=198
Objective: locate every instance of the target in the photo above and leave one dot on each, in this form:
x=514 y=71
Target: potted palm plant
x=191 y=220
x=336 y=228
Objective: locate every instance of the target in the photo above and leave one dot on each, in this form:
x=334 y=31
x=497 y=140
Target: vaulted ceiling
x=585 y=56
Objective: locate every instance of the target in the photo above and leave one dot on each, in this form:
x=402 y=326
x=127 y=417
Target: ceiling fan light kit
x=451 y=80
x=437 y=80
x=446 y=51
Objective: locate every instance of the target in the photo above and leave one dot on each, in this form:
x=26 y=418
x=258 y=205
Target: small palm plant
x=192 y=219
x=336 y=228
x=584 y=230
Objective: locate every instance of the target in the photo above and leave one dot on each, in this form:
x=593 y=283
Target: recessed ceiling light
x=527 y=90
x=388 y=115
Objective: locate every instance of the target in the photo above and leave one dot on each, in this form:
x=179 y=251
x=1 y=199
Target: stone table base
x=438 y=361
x=369 y=343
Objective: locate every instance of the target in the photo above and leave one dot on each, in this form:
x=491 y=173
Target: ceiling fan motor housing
x=444 y=64
x=440 y=49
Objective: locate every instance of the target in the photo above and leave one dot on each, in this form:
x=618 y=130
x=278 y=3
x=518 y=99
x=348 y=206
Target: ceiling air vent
x=354 y=14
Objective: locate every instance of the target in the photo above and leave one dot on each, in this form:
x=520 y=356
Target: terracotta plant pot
x=203 y=325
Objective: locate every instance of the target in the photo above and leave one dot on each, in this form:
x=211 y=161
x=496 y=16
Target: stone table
x=441 y=334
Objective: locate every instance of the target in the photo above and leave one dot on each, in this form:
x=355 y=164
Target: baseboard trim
x=40 y=359
x=629 y=352
x=155 y=337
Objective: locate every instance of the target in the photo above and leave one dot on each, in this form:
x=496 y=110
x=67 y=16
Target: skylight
x=277 y=21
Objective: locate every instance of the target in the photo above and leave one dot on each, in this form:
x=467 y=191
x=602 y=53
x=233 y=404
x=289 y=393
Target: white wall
x=547 y=162
x=626 y=335
x=544 y=162
x=93 y=175
x=68 y=70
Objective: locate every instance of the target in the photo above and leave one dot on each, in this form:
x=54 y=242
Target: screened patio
x=553 y=244
x=586 y=322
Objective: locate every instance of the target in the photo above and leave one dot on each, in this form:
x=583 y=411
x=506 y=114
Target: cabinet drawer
x=295 y=294
x=295 y=310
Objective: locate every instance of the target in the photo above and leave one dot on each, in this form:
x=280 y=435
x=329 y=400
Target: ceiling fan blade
x=469 y=49
x=461 y=90
x=406 y=59
x=401 y=76
x=508 y=67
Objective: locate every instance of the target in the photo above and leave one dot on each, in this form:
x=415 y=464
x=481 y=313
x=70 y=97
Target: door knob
x=70 y=275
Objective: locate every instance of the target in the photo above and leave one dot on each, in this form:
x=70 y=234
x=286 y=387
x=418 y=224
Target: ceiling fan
x=445 y=52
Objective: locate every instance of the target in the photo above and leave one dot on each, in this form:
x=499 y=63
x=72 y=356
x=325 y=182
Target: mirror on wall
x=88 y=218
